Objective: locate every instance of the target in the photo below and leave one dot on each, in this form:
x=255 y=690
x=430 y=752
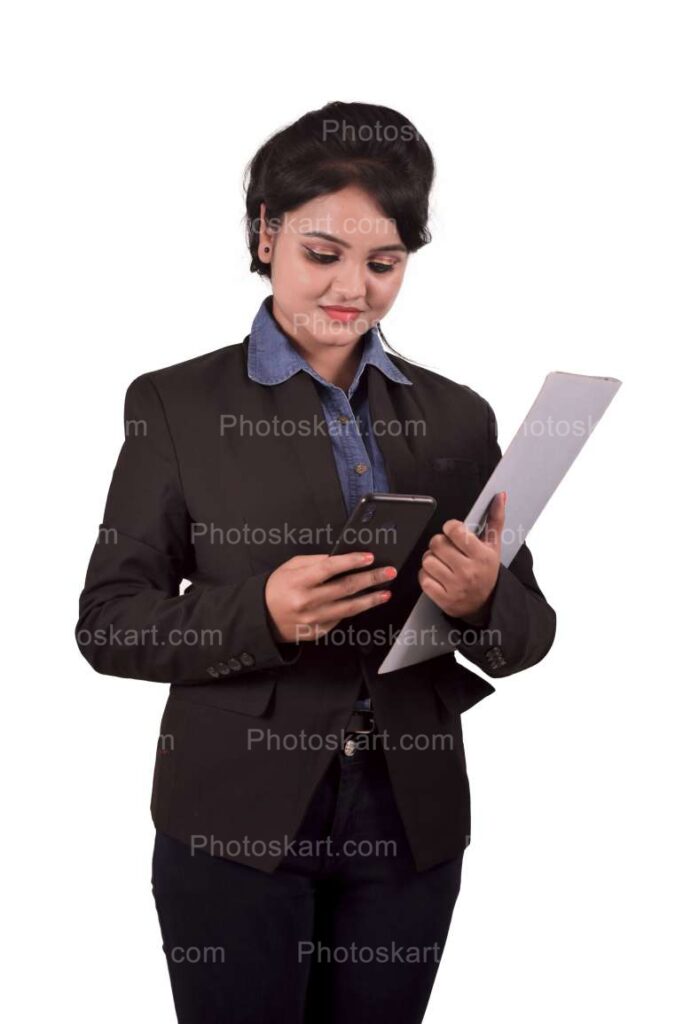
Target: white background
x=557 y=227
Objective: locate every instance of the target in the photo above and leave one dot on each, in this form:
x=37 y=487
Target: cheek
x=308 y=280
x=296 y=276
x=385 y=288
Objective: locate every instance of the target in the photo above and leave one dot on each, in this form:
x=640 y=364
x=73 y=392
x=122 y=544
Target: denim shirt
x=360 y=466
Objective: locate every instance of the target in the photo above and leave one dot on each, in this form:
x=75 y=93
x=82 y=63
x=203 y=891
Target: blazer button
x=235 y=664
x=223 y=668
x=213 y=671
x=246 y=658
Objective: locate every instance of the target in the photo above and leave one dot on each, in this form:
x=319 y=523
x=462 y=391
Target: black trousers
x=345 y=930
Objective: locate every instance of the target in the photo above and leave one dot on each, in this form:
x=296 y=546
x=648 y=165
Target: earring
x=266 y=248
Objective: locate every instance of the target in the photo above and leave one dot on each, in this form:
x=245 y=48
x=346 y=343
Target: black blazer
x=185 y=490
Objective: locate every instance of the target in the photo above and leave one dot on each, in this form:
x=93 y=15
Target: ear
x=265 y=237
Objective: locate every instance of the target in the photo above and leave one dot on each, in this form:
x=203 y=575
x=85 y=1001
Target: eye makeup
x=377 y=266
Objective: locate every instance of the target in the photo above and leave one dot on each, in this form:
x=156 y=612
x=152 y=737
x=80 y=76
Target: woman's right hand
x=304 y=601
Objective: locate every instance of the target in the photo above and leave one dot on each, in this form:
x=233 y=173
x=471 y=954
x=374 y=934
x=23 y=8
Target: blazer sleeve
x=133 y=622
x=520 y=628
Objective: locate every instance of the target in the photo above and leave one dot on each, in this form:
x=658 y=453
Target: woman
x=311 y=816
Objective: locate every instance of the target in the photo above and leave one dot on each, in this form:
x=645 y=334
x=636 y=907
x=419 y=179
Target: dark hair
x=341 y=144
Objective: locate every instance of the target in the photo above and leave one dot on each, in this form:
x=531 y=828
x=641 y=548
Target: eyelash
x=327 y=258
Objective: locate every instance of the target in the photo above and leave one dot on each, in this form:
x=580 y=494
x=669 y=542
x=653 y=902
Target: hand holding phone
x=389 y=525
x=308 y=595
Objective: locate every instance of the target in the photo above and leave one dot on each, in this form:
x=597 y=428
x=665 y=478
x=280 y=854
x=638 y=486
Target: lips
x=344 y=313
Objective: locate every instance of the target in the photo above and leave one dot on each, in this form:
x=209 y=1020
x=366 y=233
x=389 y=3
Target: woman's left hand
x=460 y=570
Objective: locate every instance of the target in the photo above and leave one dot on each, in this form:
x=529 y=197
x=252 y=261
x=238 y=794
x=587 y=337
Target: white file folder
x=560 y=421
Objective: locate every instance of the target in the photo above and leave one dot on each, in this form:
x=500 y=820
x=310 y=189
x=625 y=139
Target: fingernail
x=391 y=572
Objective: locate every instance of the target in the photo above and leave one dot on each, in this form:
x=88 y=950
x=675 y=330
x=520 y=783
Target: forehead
x=349 y=214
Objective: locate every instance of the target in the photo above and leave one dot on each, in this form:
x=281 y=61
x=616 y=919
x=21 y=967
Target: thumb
x=495 y=521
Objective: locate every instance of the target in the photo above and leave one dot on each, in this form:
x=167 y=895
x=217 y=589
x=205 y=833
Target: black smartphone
x=389 y=525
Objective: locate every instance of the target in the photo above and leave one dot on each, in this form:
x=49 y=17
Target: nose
x=350 y=281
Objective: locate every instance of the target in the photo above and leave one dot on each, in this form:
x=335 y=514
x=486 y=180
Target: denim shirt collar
x=273 y=359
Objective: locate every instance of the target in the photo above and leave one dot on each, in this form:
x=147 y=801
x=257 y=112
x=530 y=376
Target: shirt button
x=360 y=468
x=343 y=419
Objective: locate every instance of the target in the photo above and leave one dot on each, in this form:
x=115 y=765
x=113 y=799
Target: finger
x=464 y=539
x=432 y=587
x=309 y=561
x=350 y=584
x=443 y=548
x=324 y=567
x=494 y=522
x=347 y=607
x=438 y=570
x=301 y=561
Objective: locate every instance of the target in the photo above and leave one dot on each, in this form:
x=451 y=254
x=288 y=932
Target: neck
x=335 y=363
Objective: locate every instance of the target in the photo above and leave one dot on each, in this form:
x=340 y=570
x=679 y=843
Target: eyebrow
x=331 y=238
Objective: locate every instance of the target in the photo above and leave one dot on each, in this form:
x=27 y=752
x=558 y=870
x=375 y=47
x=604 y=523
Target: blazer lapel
x=392 y=407
x=310 y=448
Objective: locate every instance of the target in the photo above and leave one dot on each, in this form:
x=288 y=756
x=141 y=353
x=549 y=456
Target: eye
x=319 y=257
x=326 y=258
